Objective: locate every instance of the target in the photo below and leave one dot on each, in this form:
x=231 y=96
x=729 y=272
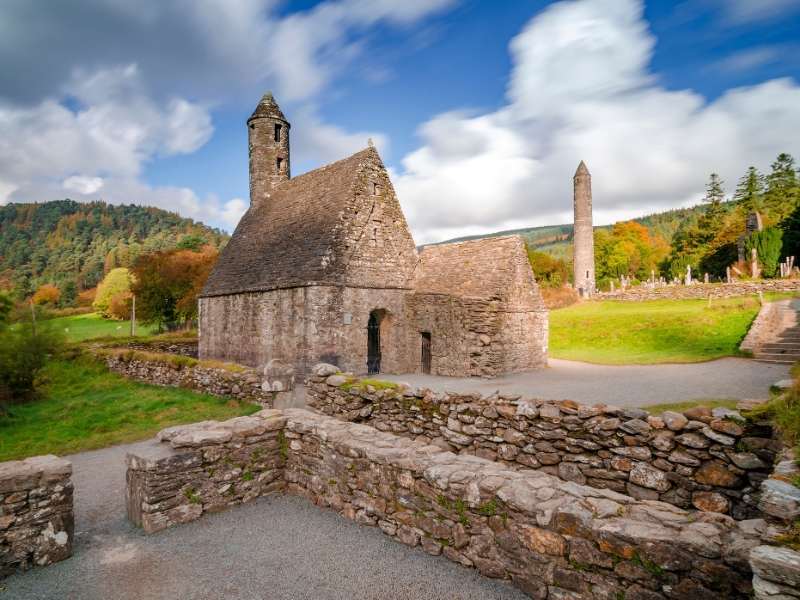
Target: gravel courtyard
x=630 y=386
x=275 y=548
x=281 y=547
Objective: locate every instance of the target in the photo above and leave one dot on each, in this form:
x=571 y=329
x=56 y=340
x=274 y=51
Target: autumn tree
x=118 y=281
x=627 y=250
x=549 y=271
x=46 y=294
x=167 y=284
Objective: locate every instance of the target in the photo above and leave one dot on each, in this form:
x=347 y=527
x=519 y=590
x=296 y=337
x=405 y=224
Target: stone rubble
x=36 y=517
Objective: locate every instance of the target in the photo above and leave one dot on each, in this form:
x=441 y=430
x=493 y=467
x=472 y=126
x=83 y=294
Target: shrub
x=22 y=355
x=118 y=281
x=768 y=244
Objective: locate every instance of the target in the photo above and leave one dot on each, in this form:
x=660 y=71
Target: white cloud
x=318 y=143
x=117 y=127
x=580 y=88
x=83 y=185
x=90 y=119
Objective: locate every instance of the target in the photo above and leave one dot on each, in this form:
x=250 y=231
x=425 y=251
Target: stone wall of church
x=475 y=337
x=304 y=326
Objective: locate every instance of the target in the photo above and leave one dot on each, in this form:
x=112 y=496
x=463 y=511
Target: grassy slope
x=87 y=407
x=658 y=331
x=83 y=327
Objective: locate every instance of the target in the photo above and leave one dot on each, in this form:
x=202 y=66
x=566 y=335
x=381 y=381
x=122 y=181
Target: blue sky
x=481 y=110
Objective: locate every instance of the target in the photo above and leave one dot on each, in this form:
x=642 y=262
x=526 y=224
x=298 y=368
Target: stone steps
x=781 y=343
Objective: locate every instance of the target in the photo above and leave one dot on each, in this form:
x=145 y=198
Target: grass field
x=84 y=327
x=656 y=331
x=86 y=407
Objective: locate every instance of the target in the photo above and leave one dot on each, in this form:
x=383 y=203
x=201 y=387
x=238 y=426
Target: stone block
x=780 y=499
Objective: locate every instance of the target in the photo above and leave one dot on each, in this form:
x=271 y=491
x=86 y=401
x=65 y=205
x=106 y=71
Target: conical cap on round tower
x=582 y=170
x=268 y=108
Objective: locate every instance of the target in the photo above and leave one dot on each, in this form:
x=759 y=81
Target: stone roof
x=493 y=268
x=311 y=228
x=582 y=170
x=267 y=108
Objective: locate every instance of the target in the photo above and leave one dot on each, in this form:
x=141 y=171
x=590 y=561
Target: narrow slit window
x=252 y=126
x=277 y=133
x=280 y=164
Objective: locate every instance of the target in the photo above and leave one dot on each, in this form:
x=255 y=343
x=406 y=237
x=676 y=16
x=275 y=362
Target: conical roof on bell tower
x=268 y=108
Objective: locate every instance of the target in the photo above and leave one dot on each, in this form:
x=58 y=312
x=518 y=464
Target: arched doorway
x=373 y=344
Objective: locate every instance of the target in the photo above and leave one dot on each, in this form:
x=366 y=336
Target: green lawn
x=83 y=327
x=87 y=407
x=656 y=331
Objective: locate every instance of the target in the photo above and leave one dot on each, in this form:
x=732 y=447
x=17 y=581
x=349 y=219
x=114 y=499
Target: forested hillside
x=63 y=241
x=556 y=240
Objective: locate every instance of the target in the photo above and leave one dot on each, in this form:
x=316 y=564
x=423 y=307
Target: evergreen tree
x=791 y=234
x=750 y=191
x=714 y=220
x=782 y=192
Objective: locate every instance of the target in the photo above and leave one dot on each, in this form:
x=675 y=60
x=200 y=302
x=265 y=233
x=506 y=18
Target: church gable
x=378 y=249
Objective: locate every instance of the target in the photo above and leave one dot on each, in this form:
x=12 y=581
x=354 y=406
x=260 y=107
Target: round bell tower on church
x=268 y=132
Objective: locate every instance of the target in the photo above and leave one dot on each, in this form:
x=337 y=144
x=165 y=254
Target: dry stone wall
x=685 y=292
x=187 y=348
x=36 y=518
x=712 y=460
x=263 y=385
x=553 y=539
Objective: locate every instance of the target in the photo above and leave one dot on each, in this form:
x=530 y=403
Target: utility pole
x=133 y=316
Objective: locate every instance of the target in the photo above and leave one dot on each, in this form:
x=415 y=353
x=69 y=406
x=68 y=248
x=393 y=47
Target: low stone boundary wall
x=685 y=292
x=713 y=460
x=185 y=348
x=36 y=519
x=263 y=385
x=204 y=468
x=553 y=539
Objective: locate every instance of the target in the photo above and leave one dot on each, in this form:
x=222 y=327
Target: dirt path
x=633 y=386
x=276 y=548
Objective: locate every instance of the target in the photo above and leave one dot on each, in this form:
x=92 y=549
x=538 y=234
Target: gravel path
x=631 y=386
x=275 y=548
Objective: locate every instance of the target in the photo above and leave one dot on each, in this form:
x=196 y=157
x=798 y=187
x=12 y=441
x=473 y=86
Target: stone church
x=323 y=268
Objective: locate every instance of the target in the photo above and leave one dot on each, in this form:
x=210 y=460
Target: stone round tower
x=268 y=132
x=583 y=253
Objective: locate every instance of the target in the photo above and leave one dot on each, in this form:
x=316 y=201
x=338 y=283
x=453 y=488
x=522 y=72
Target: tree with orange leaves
x=627 y=250
x=167 y=284
x=46 y=294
